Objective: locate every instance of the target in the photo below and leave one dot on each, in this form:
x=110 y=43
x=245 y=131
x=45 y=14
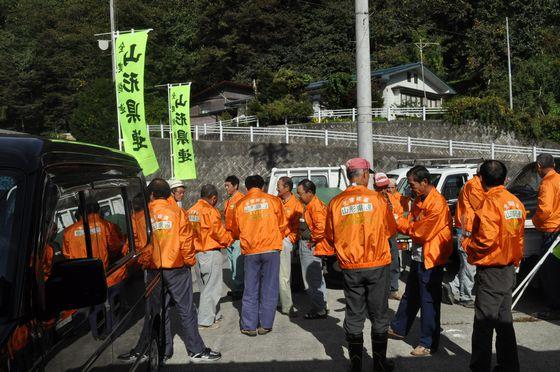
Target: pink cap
x=381 y=179
x=358 y=163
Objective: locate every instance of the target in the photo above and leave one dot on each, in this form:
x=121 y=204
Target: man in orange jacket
x=429 y=226
x=173 y=253
x=359 y=225
x=210 y=237
x=312 y=247
x=234 y=250
x=259 y=223
x=460 y=289
x=293 y=210
x=547 y=221
x=495 y=247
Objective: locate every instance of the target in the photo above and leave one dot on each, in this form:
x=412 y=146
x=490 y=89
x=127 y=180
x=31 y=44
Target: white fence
x=285 y=134
x=390 y=113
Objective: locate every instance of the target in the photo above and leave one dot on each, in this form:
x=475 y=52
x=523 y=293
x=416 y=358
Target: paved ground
x=318 y=345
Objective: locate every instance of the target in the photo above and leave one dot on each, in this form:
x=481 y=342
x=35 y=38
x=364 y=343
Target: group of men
x=259 y=231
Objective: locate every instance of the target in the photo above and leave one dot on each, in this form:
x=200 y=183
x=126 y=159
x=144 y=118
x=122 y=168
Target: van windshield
x=9 y=183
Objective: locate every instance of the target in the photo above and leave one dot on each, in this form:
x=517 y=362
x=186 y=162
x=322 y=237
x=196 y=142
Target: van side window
x=453 y=185
x=139 y=214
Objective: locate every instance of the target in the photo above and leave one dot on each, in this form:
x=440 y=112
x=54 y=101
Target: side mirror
x=74 y=284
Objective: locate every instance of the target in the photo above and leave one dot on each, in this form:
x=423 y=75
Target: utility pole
x=421 y=46
x=112 y=16
x=363 y=74
x=509 y=65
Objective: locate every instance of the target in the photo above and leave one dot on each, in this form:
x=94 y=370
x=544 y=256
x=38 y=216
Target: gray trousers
x=313 y=280
x=209 y=278
x=285 y=289
x=462 y=285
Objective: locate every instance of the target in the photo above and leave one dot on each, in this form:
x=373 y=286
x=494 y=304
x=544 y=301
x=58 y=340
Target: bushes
x=494 y=112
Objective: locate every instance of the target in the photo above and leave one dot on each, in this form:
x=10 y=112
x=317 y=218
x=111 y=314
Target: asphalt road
x=319 y=345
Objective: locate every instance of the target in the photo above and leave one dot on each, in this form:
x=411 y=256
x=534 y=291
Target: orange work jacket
x=229 y=208
x=359 y=225
x=399 y=203
x=470 y=199
x=498 y=227
x=105 y=237
x=259 y=222
x=547 y=216
x=293 y=210
x=208 y=231
x=172 y=237
x=316 y=217
x=429 y=224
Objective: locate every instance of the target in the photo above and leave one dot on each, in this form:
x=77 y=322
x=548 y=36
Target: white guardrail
x=390 y=113
x=285 y=133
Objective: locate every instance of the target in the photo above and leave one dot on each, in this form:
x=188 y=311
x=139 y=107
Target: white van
x=323 y=177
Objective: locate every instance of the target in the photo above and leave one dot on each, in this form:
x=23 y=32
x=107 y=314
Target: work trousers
x=285 y=287
x=395 y=264
x=493 y=288
x=236 y=264
x=178 y=284
x=367 y=294
x=210 y=279
x=312 y=273
x=260 y=295
x=422 y=292
x=463 y=283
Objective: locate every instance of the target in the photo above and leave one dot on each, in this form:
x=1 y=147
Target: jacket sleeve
x=319 y=218
x=329 y=226
x=281 y=217
x=217 y=229
x=485 y=234
x=235 y=223
x=294 y=224
x=545 y=205
x=391 y=224
x=431 y=224
x=186 y=240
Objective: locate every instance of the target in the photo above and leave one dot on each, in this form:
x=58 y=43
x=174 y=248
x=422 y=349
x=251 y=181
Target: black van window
x=108 y=224
x=69 y=239
x=10 y=194
x=139 y=214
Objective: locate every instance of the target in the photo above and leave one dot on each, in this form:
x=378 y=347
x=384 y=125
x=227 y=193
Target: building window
x=408 y=76
x=415 y=78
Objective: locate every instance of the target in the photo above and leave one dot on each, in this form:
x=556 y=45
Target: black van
x=74 y=223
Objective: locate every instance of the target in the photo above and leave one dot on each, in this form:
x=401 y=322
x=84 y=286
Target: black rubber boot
x=355 y=347
x=379 y=353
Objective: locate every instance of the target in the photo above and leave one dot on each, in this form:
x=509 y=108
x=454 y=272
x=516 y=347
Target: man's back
x=359 y=224
x=547 y=216
x=208 y=231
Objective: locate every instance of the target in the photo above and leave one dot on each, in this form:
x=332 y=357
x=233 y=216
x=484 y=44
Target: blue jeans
x=463 y=283
x=236 y=263
x=312 y=273
x=422 y=292
x=258 y=309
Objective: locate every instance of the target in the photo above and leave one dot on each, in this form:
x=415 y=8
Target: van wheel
x=153 y=355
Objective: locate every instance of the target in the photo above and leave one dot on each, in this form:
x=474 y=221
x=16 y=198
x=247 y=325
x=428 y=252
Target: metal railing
x=285 y=134
x=390 y=113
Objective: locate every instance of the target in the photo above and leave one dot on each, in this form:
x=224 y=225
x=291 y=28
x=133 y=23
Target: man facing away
x=210 y=237
x=173 y=253
x=495 y=247
x=429 y=227
x=359 y=224
x=547 y=221
x=293 y=210
x=260 y=225
x=235 y=257
x=312 y=247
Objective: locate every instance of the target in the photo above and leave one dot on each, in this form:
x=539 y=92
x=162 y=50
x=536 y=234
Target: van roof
x=29 y=153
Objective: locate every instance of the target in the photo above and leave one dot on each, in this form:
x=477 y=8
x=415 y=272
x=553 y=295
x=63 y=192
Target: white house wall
x=391 y=98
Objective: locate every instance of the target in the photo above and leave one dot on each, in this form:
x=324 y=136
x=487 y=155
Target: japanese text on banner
x=183 y=154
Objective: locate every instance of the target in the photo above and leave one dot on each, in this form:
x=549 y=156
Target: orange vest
x=315 y=217
x=208 y=231
x=470 y=199
x=105 y=237
x=172 y=237
x=293 y=210
x=359 y=225
x=429 y=224
x=547 y=216
x=497 y=235
x=230 y=207
x=259 y=222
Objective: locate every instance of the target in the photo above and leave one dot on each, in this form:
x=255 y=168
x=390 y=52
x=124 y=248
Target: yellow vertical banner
x=184 y=167
x=130 y=55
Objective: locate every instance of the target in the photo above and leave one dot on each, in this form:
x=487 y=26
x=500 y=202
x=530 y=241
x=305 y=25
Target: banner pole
x=114 y=36
x=171 y=159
